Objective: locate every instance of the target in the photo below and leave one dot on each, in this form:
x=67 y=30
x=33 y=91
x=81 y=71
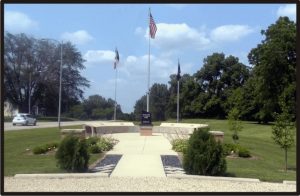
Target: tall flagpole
x=115 y=112
x=177 y=101
x=148 y=90
x=178 y=78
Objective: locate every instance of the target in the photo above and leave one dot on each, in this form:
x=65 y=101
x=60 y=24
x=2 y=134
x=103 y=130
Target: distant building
x=9 y=109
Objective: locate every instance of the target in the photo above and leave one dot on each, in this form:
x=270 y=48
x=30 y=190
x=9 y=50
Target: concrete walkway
x=141 y=155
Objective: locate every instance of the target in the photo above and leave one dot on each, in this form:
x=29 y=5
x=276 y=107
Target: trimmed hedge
x=204 y=156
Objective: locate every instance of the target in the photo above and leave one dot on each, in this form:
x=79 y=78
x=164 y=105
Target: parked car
x=24 y=119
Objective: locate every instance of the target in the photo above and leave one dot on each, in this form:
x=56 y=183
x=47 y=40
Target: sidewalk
x=141 y=155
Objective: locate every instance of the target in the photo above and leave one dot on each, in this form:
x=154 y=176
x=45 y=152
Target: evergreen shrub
x=204 y=156
x=72 y=154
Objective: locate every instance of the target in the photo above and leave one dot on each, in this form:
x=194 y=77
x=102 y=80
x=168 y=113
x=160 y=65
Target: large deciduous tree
x=218 y=78
x=274 y=61
x=31 y=69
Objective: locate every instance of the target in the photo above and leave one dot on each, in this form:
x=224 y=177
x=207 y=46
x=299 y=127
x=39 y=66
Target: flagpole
x=177 y=101
x=148 y=90
x=115 y=111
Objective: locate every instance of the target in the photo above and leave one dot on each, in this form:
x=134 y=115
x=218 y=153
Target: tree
x=218 y=77
x=274 y=61
x=159 y=97
x=95 y=107
x=139 y=106
x=31 y=68
x=234 y=124
x=283 y=130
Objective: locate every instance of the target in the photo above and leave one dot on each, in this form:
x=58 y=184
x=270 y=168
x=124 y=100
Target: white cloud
x=17 y=22
x=99 y=57
x=161 y=67
x=77 y=37
x=230 y=33
x=287 y=10
x=178 y=36
x=139 y=31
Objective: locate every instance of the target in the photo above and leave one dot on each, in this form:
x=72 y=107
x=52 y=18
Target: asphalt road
x=9 y=127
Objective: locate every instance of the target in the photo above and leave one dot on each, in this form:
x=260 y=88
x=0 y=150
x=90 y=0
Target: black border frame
x=297 y=2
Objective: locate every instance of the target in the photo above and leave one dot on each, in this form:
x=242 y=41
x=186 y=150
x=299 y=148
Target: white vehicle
x=24 y=119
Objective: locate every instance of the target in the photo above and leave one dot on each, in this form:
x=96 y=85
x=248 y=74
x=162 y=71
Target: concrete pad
x=289 y=182
x=66 y=175
x=141 y=154
x=180 y=176
x=139 y=166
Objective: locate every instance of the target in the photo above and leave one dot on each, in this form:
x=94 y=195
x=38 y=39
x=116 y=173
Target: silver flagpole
x=148 y=68
x=177 y=101
x=115 y=112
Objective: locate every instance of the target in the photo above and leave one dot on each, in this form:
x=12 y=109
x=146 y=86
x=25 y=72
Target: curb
x=289 y=182
x=233 y=179
x=67 y=175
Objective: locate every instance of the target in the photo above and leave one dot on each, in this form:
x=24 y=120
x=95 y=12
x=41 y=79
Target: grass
x=257 y=138
x=17 y=160
x=269 y=162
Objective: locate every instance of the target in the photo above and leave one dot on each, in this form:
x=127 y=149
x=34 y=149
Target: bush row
x=45 y=148
x=237 y=149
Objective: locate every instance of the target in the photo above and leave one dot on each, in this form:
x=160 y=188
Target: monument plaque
x=146 y=119
x=146 y=124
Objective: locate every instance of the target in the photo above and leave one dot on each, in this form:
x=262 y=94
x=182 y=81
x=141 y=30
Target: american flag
x=116 y=59
x=152 y=27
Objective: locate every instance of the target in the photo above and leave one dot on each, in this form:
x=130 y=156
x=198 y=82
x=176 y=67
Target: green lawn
x=268 y=165
x=18 y=160
x=269 y=162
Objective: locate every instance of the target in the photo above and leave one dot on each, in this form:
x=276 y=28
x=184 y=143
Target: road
x=9 y=127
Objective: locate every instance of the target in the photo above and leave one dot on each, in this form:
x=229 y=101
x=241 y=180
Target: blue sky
x=186 y=32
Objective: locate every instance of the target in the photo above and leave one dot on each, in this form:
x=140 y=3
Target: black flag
x=178 y=73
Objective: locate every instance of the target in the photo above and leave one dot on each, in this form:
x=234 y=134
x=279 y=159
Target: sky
x=185 y=32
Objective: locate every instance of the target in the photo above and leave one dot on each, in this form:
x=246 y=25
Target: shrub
x=100 y=144
x=228 y=148
x=204 y=156
x=105 y=144
x=95 y=149
x=39 y=150
x=72 y=154
x=45 y=148
x=92 y=141
x=179 y=145
x=243 y=152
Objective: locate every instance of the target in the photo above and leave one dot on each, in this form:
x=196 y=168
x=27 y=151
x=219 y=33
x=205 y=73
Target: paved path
x=141 y=155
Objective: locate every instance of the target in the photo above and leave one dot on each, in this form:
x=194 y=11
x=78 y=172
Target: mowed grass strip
x=267 y=163
x=17 y=159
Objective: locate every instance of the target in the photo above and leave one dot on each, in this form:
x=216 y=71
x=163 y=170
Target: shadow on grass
x=229 y=174
x=257 y=123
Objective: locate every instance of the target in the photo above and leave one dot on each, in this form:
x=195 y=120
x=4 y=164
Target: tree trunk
x=285 y=150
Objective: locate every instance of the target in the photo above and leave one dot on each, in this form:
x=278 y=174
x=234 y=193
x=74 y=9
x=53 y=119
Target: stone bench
x=218 y=135
x=177 y=128
x=100 y=128
x=78 y=132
